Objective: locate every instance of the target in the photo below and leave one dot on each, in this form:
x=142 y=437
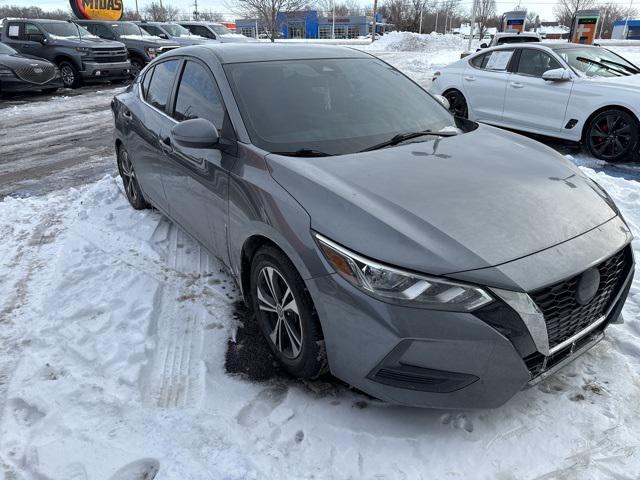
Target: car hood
x=86 y=42
x=631 y=82
x=19 y=61
x=147 y=41
x=449 y=204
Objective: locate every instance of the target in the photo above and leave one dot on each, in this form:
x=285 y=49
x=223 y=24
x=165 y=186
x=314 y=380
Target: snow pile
x=414 y=42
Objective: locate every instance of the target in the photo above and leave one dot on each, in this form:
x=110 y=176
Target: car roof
x=517 y=34
x=267 y=52
x=197 y=22
x=37 y=20
x=106 y=22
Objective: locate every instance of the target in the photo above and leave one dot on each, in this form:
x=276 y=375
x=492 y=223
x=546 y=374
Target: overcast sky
x=543 y=7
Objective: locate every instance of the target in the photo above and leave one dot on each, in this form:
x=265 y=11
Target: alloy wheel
x=611 y=136
x=280 y=310
x=128 y=176
x=68 y=75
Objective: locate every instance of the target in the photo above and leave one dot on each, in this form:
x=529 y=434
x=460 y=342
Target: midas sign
x=97 y=9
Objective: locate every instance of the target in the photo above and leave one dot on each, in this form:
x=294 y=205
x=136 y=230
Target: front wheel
x=457 y=103
x=285 y=313
x=136 y=67
x=130 y=181
x=612 y=135
x=70 y=76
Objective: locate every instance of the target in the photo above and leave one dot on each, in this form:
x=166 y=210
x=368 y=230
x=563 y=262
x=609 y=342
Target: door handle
x=165 y=144
x=516 y=84
x=469 y=78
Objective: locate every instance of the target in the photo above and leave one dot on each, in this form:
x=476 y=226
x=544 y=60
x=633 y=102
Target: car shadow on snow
x=249 y=357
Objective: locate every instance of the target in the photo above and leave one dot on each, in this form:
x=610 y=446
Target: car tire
x=70 y=75
x=286 y=315
x=136 y=67
x=457 y=103
x=130 y=181
x=612 y=135
x=49 y=90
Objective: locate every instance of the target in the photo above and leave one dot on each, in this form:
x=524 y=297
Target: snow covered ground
x=118 y=333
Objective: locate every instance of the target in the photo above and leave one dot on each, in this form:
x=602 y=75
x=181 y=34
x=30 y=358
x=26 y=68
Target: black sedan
x=19 y=73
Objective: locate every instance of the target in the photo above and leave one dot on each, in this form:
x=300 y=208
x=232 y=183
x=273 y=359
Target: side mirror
x=483 y=45
x=557 y=75
x=443 y=101
x=196 y=133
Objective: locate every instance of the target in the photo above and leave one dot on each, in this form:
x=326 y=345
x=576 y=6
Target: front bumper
x=105 y=71
x=15 y=85
x=441 y=359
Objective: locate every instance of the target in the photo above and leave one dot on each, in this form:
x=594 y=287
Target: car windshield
x=176 y=30
x=66 y=30
x=220 y=29
x=6 y=50
x=129 y=30
x=596 y=62
x=335 y=106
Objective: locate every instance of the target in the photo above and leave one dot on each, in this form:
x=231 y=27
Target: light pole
x=333 y=21
x=420 y=27
x=626 y=21
x=373 y=21
x=473 y=23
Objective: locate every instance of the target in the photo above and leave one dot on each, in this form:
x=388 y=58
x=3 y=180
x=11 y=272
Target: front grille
x=563 y=314
x=165 y=49
x=36 y=74
x=107 y=55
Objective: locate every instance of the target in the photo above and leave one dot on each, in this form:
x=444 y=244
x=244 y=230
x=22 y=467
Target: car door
x=15 y=35
x=484 y=82
x=532 y=103
x=149 y=122
x=197 y=179
x=31 y=45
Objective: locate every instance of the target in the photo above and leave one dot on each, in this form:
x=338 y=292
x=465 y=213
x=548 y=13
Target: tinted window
x=104 y=32
x=145 y=82
x=161 y=84
x=198 y=96
x=14 y=30
x=200 y=30
x=332 y=105
x=535 y=62
x=31 y=29
x=153 y=30
x=517 y=39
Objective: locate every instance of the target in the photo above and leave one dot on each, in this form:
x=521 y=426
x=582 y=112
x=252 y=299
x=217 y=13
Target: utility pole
x=373 y=21
x=626 y=21
x=473 y=23
x=437 y=12
x=333 y=19
x=162 y=19
x=196 y=14
x=137 y=12
x=421 y=9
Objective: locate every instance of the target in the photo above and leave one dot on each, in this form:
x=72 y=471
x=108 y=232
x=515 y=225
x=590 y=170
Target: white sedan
x=575 y=92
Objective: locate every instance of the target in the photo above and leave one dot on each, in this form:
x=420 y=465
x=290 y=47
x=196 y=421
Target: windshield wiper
x=603 y=65
x=401 y=137
x=629 y=68
x=305 y=152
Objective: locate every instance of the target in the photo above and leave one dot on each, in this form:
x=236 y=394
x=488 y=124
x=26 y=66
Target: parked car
x=19 y=73
x=504 y=38
x=573 y=92
x=174 y=32
x=371 y=229
x=141 y=46
x=215 y=31
x=80 y=56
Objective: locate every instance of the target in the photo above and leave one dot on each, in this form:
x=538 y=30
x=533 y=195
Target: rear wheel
x=70 y=76
x=285 y=314
x=612 y=135
x=130 y=181
x=136 y=67
x=457 y=103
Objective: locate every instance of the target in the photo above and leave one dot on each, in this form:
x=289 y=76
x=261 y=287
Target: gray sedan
x=423 y=258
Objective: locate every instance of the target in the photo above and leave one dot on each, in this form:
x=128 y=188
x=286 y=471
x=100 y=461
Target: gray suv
x=79 y=55
x=174 y=32
x=142 y=47
x=374 y=234
x=215 y=31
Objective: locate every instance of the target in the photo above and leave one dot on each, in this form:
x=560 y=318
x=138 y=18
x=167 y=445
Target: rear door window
x=145 y=82
x=14 y=30
x=497 y=61
x=159 y=89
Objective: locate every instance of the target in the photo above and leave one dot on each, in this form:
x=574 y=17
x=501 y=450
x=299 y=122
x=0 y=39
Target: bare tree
x=609 y=13
x=157 y=12
x=210 y=16
x=533 y=20
x=564 y=10
x=485 y=15
x=130 y=15
x=34 y=12
x=266 y=11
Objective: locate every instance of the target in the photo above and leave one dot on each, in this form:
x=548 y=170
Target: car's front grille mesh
x=107 y=55
x=36 y=74
x=563 y=314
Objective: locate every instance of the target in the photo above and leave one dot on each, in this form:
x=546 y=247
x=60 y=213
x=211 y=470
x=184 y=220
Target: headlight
x=5 y=71
x=83 y=50
x=398 y=286
x=151 y=51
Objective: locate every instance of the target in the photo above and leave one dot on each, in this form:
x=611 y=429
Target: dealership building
x=309 y=24
x=626 y=30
